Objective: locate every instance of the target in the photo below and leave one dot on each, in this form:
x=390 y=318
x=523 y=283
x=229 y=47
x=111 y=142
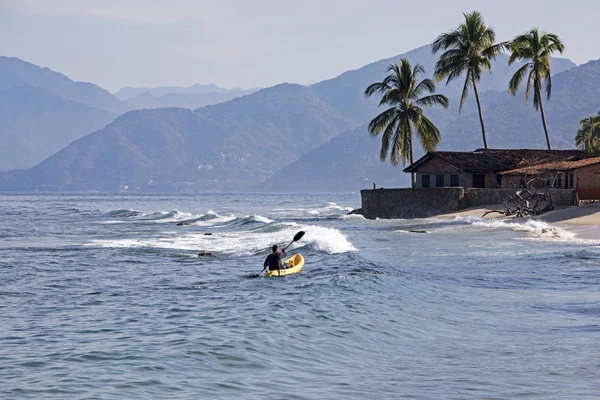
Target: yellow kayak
x=294 y=264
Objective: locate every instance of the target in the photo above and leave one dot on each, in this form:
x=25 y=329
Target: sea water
x=104 y=296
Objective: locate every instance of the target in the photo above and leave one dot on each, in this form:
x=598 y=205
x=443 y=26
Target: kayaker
x=273 y=260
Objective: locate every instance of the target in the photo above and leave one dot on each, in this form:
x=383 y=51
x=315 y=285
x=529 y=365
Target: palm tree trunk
x=413 y=181
x=544 y=121
x=485 y=146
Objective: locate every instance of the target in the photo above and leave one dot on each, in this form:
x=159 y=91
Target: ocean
x=105 y=297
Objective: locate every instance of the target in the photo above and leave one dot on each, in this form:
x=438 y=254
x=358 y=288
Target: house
x=508 y=168
x=582 y=174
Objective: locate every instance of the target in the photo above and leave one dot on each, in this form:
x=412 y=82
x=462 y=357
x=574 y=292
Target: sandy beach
x=584 y=221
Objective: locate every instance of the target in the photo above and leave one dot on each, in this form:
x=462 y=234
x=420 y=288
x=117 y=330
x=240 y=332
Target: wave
x=326 y=210
x=122 y=213
x=351 y=217
x=245 y=242
x=538 y=228
x=535 y=228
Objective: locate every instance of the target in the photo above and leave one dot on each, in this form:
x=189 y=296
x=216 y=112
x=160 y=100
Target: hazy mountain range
x=292 y=137
x=42 y=111
x=191 y=97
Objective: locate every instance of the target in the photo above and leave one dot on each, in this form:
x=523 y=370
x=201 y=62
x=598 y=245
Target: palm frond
x=517 y=78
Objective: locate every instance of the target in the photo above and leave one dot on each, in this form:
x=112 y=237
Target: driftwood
x=526 y=202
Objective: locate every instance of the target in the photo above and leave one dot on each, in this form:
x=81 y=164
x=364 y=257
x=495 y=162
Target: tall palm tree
x=587 y=137
x=469 y=49
x=405 y=97
x=535 y=48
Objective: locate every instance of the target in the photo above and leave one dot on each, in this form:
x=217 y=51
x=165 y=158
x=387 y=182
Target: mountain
x=513 y=124
x=35 y=124
x=181 y=100
x=284 y=133
x=346 y=91
x=350 y=161
x=15 y=72
x=131 y=92
x=230 y=146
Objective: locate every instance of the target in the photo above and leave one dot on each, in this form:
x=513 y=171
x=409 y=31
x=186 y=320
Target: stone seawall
x=427 y=202
x=409 y=203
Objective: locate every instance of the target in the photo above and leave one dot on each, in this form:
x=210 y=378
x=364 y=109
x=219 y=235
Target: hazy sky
x=250 y=43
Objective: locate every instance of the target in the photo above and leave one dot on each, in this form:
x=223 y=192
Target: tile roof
x=565 y=165
x=498 y=160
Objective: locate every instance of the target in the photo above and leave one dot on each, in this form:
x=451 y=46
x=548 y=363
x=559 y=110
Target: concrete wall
x=422 y=203
x=409 y=203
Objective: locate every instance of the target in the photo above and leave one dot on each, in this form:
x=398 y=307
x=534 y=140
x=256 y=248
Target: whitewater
x=105 y=296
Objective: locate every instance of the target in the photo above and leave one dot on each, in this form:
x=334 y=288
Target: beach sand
x=584 y=220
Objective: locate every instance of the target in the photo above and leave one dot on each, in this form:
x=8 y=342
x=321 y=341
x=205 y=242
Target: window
x=425 y=181
x=439 y=181
x=454 y=180
x=559 y=184
x=571 y=179
x=478 y=180
x=498 y=180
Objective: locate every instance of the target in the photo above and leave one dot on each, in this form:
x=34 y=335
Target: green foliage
x=535 y=48
x=406 y=96
x=469 y=49
x=588 y=137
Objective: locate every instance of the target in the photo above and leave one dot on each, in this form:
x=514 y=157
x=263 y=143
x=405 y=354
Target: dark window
x=498 y=180
x=453 y=180
x=571 y=180
x=439 y=181
x=478 y=180
x=425 y=181
x=559 y=185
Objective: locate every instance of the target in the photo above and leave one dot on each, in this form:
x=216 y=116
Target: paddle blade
x=299 y=236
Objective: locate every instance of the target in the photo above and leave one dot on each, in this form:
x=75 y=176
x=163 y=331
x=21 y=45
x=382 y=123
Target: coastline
x=583 y=221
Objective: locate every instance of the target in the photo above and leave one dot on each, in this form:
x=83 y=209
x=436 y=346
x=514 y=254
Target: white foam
x=353 y=217
x=243 y=243
x=260 y=218
x=313 y=212
x=215 y=220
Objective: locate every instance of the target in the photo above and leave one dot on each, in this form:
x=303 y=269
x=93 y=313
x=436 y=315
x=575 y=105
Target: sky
x=258 y=43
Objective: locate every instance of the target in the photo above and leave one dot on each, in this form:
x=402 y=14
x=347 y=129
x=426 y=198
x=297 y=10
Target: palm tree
x=535 y=48
x=401 y=91
x=587 y=136
x=469 y=49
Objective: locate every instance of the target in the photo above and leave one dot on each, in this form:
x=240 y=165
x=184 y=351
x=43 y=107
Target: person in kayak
x=273 y=260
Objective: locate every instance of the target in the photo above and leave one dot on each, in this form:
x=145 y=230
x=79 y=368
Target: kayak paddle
x=297 y=237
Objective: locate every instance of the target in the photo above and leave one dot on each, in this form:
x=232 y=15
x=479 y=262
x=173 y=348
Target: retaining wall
x=427 y=202
x=409 y=203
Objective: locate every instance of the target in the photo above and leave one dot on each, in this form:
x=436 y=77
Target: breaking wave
x=245 y=242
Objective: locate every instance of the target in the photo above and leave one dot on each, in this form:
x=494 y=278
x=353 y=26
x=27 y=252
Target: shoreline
x=583 y=221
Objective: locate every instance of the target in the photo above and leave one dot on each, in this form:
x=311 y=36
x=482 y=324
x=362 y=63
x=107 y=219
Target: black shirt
x=273 y=260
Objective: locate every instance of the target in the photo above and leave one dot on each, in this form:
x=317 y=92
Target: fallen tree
x=527 y=201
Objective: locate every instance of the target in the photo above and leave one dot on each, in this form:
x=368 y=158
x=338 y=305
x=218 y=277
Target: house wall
x=564 y=182
x=588 y=182
x=436 y=166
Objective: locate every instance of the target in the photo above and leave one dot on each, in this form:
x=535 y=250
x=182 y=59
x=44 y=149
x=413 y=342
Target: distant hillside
x=513 y=124
x=181 y=100
x=230 y=146
x=283 y=133
x=35 y=124
x=131 y=92
x=15 y=72
x=345 y=92
x=350 y=161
